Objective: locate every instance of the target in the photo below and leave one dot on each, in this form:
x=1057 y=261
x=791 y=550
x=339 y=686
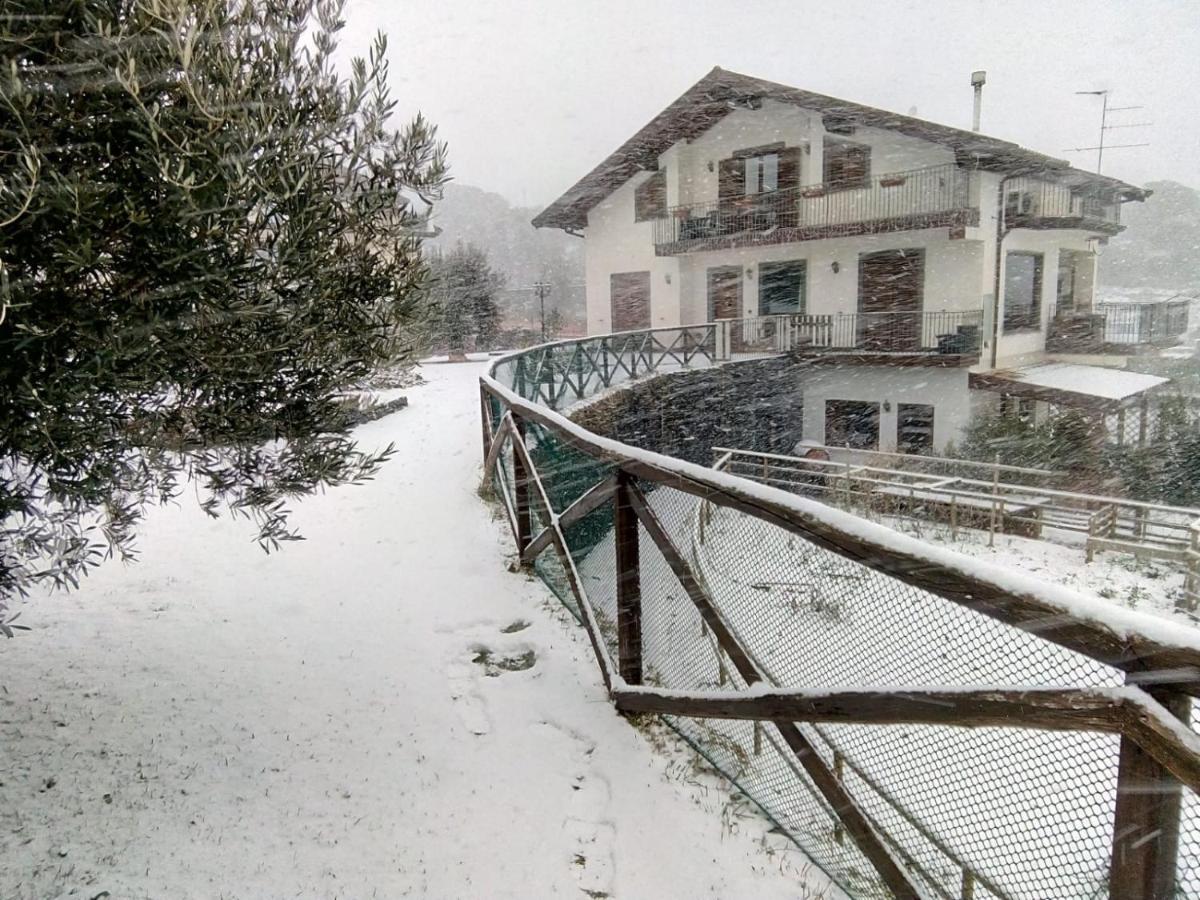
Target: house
x=921 y=268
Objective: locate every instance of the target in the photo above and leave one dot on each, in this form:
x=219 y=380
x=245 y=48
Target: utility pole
x=542 y=288
x=1105 y=109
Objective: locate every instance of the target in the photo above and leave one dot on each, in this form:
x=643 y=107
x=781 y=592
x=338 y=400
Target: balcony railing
x=921 y=198
x=1145 y=323
x=1032 y=203
x=943 y=333
x=1117 y=325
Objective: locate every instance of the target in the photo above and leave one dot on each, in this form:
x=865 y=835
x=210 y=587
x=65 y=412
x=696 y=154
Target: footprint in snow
x=469 y=704
x=588 y=829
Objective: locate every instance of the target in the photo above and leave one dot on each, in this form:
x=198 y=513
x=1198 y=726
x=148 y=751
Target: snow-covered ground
x=382 y=711
x=1148 y=585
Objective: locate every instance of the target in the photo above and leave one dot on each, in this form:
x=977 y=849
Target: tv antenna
x=1105 y=109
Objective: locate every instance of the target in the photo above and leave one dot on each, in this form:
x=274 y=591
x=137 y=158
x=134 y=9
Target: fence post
x=629 y=588
x=1146 y=820
x=485 y=420
x=1191 y=581
x=839 y=772
x=521 y=492
x=968 y=885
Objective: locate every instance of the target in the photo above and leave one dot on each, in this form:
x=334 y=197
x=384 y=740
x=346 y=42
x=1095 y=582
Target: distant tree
x=1165 y=470
x=205 y=234
x=1067 y=442
x=463 y=293
x=555 y=321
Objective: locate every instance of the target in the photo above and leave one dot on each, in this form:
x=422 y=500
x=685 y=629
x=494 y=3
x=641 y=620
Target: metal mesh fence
x=980 y=812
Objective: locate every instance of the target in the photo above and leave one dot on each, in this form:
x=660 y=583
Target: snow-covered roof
x=720 y=91
x=1096 y=381
x=1065 y=382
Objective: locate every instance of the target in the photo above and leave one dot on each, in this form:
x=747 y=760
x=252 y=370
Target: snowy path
x=381 y=711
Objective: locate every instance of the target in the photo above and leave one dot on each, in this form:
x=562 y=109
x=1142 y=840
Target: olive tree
x=206 y=233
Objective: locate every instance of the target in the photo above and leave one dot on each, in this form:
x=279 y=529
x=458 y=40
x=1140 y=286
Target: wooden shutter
x=731 y=178
x=650 y=198
x=789 y=168
x=847 y=165
x=630 y=293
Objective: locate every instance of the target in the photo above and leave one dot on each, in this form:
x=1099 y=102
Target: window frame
x=765 y=271
x=650 y=198
x=915 y=410
x=832 y=149
x=1030 y=321
x=758 y=165
x=871 y=408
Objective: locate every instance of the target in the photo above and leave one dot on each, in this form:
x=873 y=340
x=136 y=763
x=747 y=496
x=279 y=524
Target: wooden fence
x=1159 y=754
x=1151 y=530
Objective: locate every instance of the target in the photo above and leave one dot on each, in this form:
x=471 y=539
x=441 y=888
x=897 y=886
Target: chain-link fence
x=707 y=586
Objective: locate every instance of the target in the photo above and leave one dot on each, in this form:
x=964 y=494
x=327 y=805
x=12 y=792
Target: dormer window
x=762 y=173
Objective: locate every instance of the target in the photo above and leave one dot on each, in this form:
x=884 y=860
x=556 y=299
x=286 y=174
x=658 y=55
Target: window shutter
x=731 y=178
x=650 y=198
x=789 y=168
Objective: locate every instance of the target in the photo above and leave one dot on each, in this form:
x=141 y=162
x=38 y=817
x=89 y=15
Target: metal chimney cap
x=978 y=77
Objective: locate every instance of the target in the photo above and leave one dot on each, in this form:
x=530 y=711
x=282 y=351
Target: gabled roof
x=720 y=92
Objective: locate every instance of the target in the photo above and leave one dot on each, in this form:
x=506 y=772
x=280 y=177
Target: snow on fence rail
x=921 y=723
x=908 y=486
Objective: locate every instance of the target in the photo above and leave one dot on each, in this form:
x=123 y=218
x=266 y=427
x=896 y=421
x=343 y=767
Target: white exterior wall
x=951 y=272
x=943 y=389
x=616 y=243
x=959 y=274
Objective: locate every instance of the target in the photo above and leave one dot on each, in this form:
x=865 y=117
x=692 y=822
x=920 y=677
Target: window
x=914 y=428
x=781 y=288
x=1022 y=292
x=1074 y=293
x=847 y=165
x=1018 y=204
x=650 y=198
x=762 y=173
x=852 y=423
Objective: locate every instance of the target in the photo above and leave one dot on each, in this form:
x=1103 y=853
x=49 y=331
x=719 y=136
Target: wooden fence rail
x=1109 y=523
x=1162 y=663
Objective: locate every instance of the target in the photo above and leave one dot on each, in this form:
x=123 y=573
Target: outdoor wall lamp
x=750 y=272
x=667 y=275
x=887 y=405
x=836 y=266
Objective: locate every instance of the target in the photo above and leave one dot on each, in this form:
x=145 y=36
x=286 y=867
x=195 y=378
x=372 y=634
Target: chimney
x=978 y=79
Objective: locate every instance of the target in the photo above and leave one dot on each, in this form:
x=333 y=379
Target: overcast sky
x=531 y=95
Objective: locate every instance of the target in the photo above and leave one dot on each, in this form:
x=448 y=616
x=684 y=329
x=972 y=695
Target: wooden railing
x=1161 y=664
x=995 y=503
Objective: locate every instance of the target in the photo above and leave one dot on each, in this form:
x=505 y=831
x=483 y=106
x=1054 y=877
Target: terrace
x=942 y=337
x=932 y=197
x=1033 y=203
x=1119 y=327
